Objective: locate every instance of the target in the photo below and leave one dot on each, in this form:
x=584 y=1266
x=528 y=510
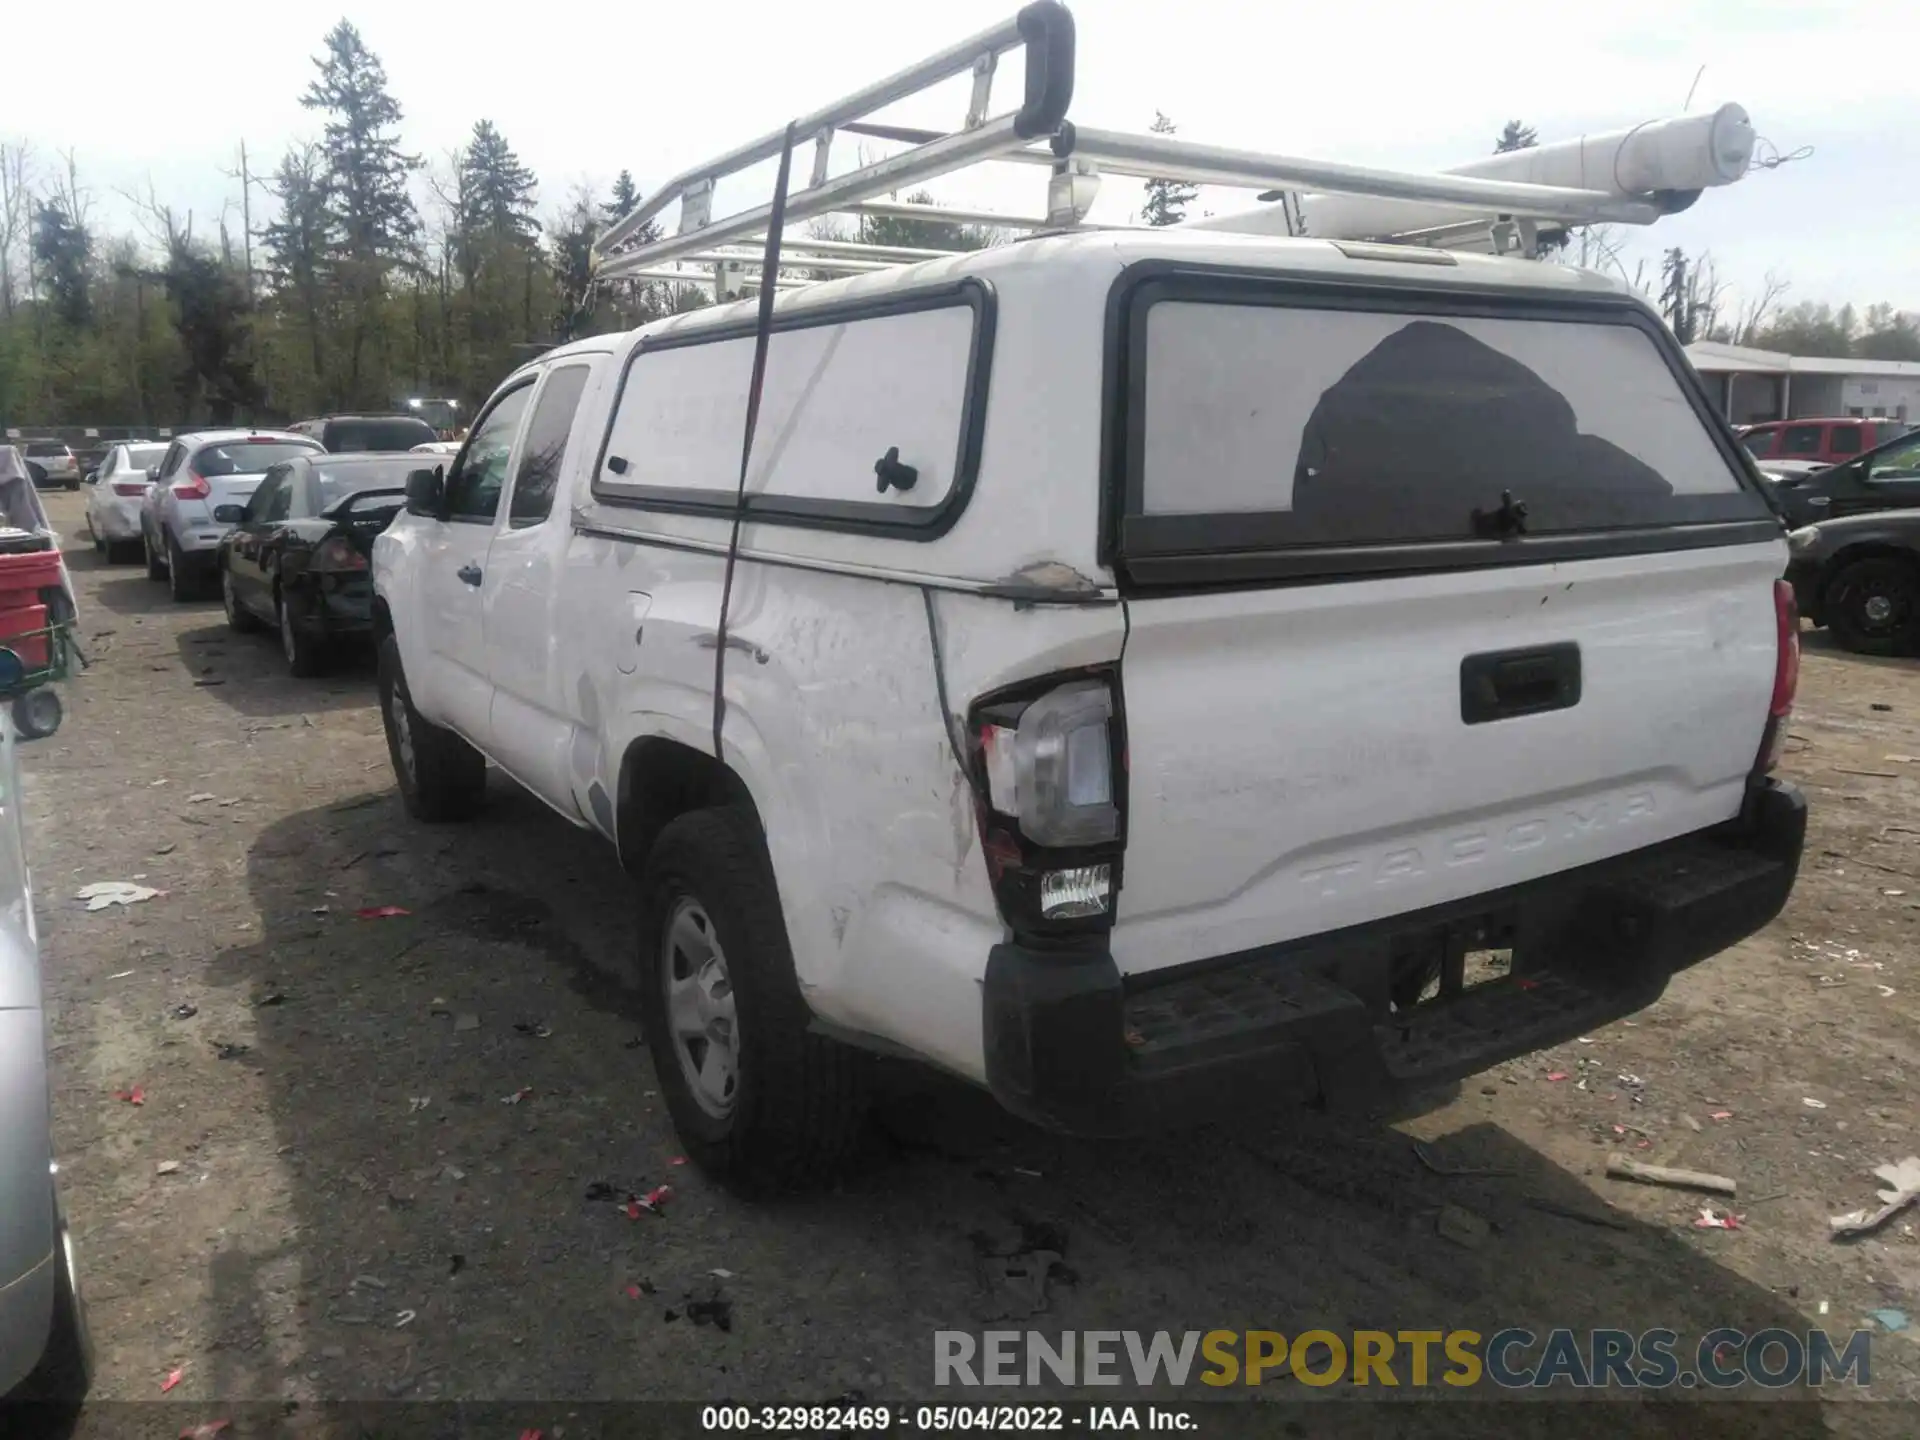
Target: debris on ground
x=1622 y=1167
x=272 y=997
x=533 y=1028
x=720 y=1274
x=1813 y=1104
x=167 y=1167
x=651 y=1201
x=1556 y=1075
x=517 y=1096
x=455 y=1264
x=1463 y=1227
x=707 y=1304
x=1721 y=1115
x=405 y=1318
x=229 y=1050
x=206 y=1431
x=1903 y=1188
x=1891 y=1320
x=1014 y=1268
x=1708 y=1219
x=186 y=1010
x=201 y=797
x=678 y=1160
x=173 y=1378
x=136 y=1096
x=466 y=1020
x=380 y=912
x=417 y=1103
x=601 y=1190
x=103 y=893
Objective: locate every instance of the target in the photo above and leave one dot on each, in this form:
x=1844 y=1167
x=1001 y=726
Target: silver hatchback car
x=45 y=1351
x=200 y=473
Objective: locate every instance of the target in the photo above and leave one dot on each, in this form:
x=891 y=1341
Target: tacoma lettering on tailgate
x=1402 y=862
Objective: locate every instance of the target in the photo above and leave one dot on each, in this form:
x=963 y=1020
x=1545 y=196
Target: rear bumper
x=333 y=607
x=1072 y=1044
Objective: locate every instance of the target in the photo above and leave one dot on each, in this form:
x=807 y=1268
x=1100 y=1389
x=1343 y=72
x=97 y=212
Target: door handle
x=470 y=573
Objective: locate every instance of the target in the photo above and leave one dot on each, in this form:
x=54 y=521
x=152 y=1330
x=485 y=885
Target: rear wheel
x=306 y=654
x=1873 y=606
x=180 y=581
x=441 y=776
x=122 y=552
x=758 y=1099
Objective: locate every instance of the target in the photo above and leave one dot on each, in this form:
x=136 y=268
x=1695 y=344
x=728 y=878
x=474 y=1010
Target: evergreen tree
x=62 y=254
x=496 y=190
x=366 y=181
x=1167 y=200
x=625 y=196
x=1515 y=136
x=297 y=246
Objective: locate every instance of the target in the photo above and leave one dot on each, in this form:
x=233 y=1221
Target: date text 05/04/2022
x=943 y=1418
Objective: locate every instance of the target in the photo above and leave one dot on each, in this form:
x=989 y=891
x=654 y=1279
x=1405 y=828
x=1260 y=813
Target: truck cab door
x=531 y=723
x=452 y=569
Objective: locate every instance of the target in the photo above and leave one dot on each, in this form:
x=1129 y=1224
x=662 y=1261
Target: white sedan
x=114 y=492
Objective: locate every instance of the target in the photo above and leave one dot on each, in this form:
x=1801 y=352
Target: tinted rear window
x=1364 y=426
x=399 y=433
x=334 y=483
x=45 y=447
x=245 y=457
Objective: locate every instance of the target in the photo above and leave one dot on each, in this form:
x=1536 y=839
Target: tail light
x=1786 y=678
x=1051 y=781
x=194 y=487
x=129 y=487
x=336 y=553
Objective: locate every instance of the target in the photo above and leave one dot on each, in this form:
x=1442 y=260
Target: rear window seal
x=1202 y=551
x=855 y=517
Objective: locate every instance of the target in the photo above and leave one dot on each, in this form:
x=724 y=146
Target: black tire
x=441 y=777
x=306 y=656
x=156 y=565
x=180 y=580
x=73 y=484
x=65 y=1371
x=1872 y=606
x=799 y=1100
x=123 y=552
x=37 y=713
x=240 y=620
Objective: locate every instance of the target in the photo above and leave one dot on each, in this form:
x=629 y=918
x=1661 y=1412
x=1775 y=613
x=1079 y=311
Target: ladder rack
x=1655 y=169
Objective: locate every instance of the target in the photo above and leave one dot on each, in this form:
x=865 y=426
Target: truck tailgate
x=1301 y=759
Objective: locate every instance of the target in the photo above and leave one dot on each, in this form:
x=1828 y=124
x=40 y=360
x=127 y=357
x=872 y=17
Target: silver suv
x=51 y=462
x=200 y=473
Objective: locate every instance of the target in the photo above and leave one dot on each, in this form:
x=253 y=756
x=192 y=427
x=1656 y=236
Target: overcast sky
x=143 y=92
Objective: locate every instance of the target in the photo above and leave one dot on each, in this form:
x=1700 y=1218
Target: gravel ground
x=364 y=1164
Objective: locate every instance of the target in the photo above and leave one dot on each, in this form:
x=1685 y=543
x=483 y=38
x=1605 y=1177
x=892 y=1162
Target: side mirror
x=229 y=514
x=426 y=492
x=153 y=474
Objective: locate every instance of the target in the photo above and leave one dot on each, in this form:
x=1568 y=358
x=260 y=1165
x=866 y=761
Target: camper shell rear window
x=846 y=387
x=1298 y=430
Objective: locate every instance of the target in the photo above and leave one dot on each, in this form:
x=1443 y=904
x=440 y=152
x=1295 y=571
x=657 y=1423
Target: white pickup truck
x=1161 y=669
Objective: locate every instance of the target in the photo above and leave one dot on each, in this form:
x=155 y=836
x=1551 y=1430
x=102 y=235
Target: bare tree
x=17 y=176
x=67 y=192
x=1757 y=311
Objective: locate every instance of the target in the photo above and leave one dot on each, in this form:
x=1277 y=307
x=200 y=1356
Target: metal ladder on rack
x=1495 y=204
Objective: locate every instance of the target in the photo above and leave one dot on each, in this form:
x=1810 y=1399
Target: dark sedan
x=297 y=556
x=1885 y=478
x=1859 y=576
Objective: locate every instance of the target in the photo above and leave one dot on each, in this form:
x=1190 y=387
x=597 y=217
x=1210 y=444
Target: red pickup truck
x=1809 y=443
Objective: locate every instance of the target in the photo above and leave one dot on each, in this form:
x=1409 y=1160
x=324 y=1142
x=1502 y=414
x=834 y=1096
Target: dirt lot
x=356 y=1206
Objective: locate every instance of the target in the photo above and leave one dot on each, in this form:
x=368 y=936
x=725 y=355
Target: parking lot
x=387 y=1156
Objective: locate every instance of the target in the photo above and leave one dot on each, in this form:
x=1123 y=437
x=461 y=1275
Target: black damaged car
x=1859 y=576
x=297 y=558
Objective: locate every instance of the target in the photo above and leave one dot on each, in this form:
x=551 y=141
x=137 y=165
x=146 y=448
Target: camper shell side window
x=871 y=416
